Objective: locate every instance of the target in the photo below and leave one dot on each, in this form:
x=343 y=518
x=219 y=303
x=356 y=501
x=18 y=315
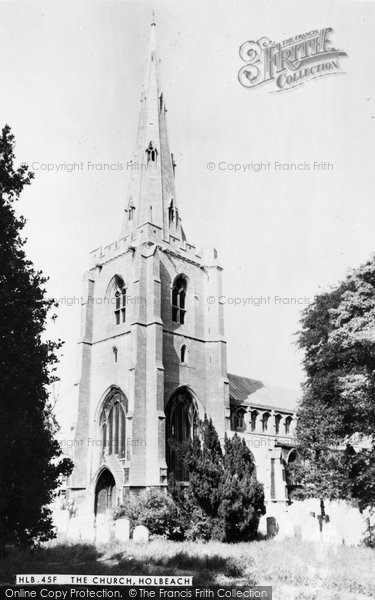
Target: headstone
x=104 y=528
x=122 y=530
x=74 y=529
x=60 y=521
x=298 y=530
x=87 y=529
x=272 y=527
x=141 y=534
x=310 y=528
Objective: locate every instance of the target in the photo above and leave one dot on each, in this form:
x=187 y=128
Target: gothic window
x=152 y=153
x=254 y=416
x=184 y=354
x=112 y=424
x=237 y=419
x=288 y=422
x=171 y=212
x=131 y=209
x=241 y=419
x=277 y=423
x=179 y=300
x=181 y=426
x=115 y=352
x=265 y=420
x=120 y=303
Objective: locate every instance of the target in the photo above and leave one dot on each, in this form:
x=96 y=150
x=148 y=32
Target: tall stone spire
x=151 y=195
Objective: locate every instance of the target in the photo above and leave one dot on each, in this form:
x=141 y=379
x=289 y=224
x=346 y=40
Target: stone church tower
x=152 y=350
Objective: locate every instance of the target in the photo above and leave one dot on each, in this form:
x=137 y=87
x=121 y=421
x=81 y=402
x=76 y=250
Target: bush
x=195 y=524
x=155 y=510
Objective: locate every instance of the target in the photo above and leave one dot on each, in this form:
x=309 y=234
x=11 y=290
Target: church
x=152 y=352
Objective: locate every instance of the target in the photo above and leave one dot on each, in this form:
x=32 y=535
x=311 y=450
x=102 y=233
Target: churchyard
x=297 y=570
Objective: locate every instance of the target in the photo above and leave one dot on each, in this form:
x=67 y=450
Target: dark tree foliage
x=29 y=465
x=224 y=485
x=204 y=460
x=242 y=496
x=336 y=419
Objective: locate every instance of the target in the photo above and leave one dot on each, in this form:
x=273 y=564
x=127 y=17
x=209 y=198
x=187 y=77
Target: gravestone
x=122 y=530
x=141 y=534
x=87 y=528
x=272 y=527
x=104 y=529
x=73 y=530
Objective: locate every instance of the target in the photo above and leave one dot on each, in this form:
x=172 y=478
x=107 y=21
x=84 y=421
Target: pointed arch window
x=120 y=303
x=152 y=153
x=184 y=354
x=288 y=424
x=237 y=419
x=171 y=212
x=277 y=423
x=253 y=422
x=179 y=299
x=113 y=424
x=182 y=424
x=131 y=210
x=266 y=417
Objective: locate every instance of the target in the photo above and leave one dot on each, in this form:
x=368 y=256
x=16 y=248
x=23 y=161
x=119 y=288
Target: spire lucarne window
x=151 y=152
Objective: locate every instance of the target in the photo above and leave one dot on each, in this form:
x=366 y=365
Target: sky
x=71 y=84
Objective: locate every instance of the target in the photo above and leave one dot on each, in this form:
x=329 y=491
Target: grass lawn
x=297 y=570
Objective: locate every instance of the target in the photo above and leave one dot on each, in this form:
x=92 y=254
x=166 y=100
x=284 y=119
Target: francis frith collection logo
x=289 y=63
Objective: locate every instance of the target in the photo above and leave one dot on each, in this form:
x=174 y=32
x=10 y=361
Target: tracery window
x=237 y=419
x=113 y=424
x=120 y=303
x=182 y=422
x=179 y=299
x=152 y=153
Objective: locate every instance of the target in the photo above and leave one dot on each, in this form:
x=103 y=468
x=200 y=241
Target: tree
x=224 y=485
x=336 y=418
x=30 y=468
x=242 y=496
x=204 y=460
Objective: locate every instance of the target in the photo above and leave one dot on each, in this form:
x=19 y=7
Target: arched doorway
x=105 y=492
x=182 y=418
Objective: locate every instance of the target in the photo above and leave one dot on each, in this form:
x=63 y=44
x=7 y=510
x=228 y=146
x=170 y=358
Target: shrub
x=195 y=524
x=155 y=510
